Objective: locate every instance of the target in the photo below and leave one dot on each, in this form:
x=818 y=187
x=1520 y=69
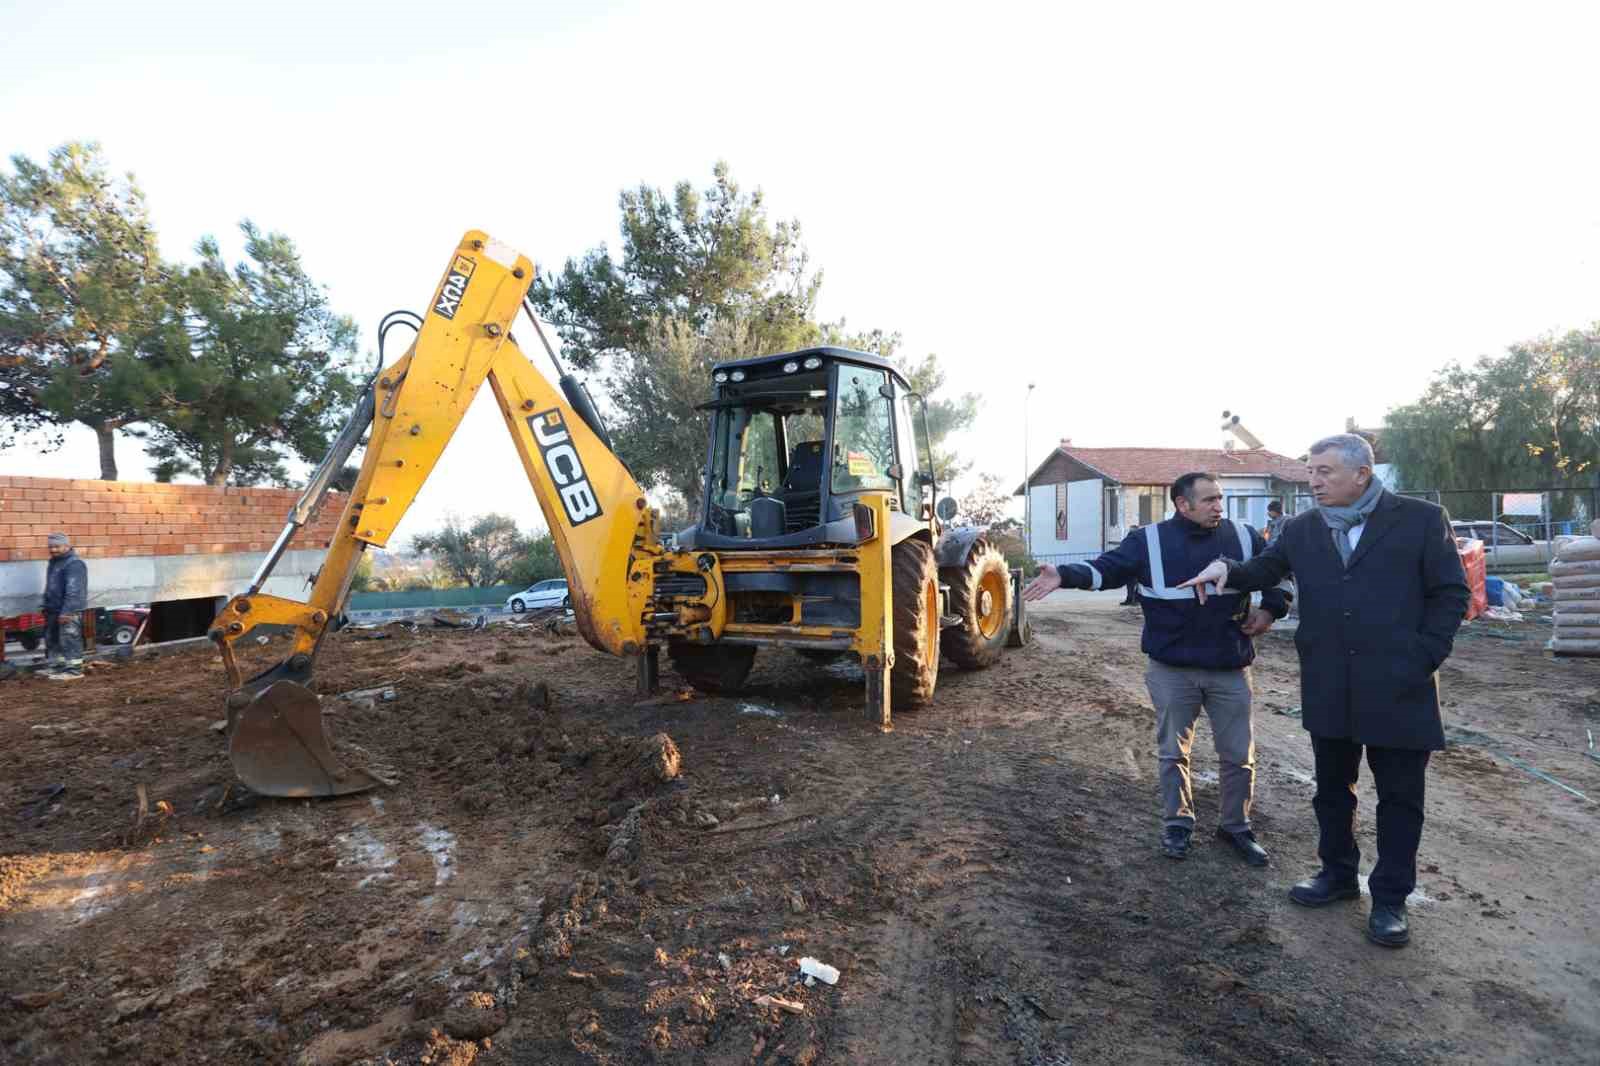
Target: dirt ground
x=562 y=874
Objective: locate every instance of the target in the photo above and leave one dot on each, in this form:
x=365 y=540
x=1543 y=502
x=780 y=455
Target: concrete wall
x=146 y=543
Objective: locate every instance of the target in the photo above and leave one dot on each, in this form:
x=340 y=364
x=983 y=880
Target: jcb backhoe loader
x=817 y=529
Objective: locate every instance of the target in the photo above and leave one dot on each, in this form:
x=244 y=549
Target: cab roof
x=826 y=352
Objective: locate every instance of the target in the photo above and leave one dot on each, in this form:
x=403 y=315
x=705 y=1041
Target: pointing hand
x=1215 y=574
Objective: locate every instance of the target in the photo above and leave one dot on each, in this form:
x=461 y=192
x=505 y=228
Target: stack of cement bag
x=1576 y=573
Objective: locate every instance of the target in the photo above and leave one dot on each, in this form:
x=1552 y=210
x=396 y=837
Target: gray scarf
x=1341 y=520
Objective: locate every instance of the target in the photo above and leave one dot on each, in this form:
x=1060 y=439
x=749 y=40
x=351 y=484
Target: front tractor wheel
x=916 y=623
x=980 y=595
x=713 y=667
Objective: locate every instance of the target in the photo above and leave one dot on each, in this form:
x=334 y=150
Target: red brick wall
x=115 y=518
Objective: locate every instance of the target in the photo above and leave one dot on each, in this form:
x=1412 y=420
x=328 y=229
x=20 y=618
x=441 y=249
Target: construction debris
x=782 y=1004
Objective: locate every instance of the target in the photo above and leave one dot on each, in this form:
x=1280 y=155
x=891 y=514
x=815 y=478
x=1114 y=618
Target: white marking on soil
x=441 y=844
x=1207 y=776
x=756 y=708
x=377 y=804
x=92 y=901
x=1415 y=897
x=364 y=851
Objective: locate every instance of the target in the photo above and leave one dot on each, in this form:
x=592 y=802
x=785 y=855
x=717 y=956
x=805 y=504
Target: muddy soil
x=563 y=873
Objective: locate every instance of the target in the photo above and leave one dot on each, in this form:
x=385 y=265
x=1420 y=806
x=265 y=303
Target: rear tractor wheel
x=916 y=623
x=713 y=667
x=980 y=595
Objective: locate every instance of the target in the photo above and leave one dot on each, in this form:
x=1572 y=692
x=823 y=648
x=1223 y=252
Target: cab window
x=863 y=431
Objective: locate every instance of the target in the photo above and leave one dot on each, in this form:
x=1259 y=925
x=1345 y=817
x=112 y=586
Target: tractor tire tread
x=965 y=644
x=912 y=681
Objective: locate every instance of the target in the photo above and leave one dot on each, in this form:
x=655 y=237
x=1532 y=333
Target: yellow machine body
x=630 y=594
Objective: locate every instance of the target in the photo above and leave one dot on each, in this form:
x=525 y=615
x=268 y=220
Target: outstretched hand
x=1048 y=580
x=1215 y=574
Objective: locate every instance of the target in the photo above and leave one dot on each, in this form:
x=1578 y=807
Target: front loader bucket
x=278 y=747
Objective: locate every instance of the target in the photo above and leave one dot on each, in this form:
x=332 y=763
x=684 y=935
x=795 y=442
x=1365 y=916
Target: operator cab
x=796 y=438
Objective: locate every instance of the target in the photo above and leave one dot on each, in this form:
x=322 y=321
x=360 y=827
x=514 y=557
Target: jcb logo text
x=566 y=469
x=454 y=287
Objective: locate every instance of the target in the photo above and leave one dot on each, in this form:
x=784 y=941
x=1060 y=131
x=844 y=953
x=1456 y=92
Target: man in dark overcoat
x=1381 y=594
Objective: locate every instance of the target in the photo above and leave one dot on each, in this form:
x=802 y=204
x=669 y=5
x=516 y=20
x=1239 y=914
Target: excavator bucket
x=279 y=747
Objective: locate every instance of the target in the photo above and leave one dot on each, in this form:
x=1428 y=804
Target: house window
x=1151 y=504
x=1114 y=506
x=1061 y=511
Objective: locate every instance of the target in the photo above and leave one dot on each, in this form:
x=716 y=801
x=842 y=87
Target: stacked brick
x=108 y=519
x=1576 y=574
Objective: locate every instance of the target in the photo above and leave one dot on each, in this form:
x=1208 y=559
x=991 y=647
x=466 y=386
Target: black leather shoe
x=1244 y=842
x=1323 y=889
x=1387 y=925
x=1175 y=841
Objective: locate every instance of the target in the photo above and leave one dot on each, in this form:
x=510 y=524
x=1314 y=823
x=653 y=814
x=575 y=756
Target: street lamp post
x=1027 y=475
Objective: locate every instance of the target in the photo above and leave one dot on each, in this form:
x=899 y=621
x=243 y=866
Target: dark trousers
x=1398 y=774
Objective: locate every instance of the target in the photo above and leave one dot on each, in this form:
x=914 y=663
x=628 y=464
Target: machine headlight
x=720 y=376
x=738 y=375
x=790 y=367
x=813 y=362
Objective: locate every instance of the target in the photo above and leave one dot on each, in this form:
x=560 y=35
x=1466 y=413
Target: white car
x=1503 y=545
x=542 y=594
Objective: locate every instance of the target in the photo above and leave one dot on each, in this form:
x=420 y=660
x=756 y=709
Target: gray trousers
x=1179 y=695
x=63 y=639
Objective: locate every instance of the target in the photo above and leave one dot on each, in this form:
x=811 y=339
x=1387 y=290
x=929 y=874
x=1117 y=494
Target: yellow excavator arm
x=597 y=515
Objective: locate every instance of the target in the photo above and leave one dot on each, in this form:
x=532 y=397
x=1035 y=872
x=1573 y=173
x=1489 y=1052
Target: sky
x=1152 y=212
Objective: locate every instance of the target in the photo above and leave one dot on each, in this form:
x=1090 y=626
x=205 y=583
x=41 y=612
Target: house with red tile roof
x=1083 y=500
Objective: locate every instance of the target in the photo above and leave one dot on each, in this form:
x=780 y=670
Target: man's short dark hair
x=1275 y=507
x=1184 y=486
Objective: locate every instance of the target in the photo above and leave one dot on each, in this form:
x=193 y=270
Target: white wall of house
x=1084 y=517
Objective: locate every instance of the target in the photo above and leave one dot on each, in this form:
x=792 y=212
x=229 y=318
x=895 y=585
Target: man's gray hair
x=1353 y=449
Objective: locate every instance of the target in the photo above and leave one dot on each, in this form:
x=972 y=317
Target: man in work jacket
x=1382 y=595
x=1199 y=652
x=66 y=595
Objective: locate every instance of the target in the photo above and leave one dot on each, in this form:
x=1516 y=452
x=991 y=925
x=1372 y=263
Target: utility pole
x=1027 y=475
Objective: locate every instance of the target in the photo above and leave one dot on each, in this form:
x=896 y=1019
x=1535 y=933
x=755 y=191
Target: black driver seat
x=802 y=486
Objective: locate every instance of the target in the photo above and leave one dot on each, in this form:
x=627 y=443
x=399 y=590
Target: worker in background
x=66 y=596
x=1384 y=596
x=1199 y=652
x=1275 y=520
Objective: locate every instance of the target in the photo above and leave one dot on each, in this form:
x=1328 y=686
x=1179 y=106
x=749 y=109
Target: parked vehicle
x=542 y=594
x=119 y=625
x=112 y=625
x=1504 y=545
x=27 y=628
